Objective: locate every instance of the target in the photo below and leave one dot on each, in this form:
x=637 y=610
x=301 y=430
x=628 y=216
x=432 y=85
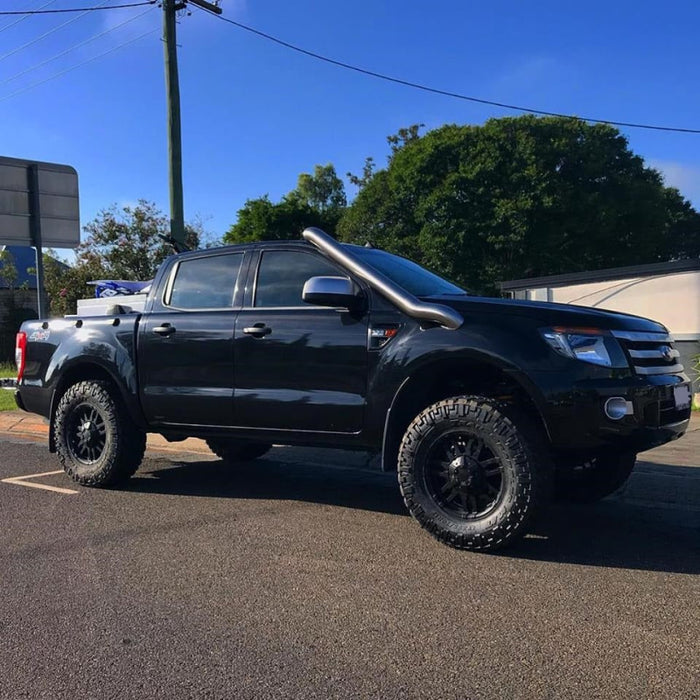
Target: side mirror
x=330 y=291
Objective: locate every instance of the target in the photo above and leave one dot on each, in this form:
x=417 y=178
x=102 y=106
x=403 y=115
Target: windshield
x=407 y=274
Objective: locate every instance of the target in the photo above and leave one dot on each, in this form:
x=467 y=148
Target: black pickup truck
x=485 y=407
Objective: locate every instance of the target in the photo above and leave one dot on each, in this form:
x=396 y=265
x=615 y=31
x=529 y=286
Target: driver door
x=299 y=367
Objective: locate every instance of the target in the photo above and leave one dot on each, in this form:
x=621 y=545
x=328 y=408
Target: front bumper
x=576 y=420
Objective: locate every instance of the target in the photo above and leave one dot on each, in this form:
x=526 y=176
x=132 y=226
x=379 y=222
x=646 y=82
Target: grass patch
x=7 y=369
x=7 y=400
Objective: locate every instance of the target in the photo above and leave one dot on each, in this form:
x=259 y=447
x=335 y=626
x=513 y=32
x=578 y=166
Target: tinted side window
x=206 y=283
x=282 y=274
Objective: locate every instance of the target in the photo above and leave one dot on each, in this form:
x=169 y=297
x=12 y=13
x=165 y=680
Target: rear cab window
x=204 y=283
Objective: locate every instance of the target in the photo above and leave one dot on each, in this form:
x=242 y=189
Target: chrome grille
x=650 y=353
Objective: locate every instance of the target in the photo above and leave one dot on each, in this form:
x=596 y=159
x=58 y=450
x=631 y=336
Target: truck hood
x=549 y=313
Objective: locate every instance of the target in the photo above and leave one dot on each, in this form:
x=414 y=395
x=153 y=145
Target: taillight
x=20 y=353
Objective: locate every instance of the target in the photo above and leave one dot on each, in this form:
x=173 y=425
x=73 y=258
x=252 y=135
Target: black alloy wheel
x=464 y=475
x=86 y=434
x=474 y=472
x=96 y=439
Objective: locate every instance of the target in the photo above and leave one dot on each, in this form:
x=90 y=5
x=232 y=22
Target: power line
x=21 y=19
x=445 y=93
x=77 y=65
x=28 y=13
x=45 y=34
x=73 y=48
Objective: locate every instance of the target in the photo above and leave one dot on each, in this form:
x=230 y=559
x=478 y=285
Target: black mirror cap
x=331 y=291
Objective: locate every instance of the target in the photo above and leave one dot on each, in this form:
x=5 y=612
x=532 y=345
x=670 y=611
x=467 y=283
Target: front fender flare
x=391 y=440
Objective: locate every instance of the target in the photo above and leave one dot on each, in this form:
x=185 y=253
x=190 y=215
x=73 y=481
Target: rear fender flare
x=85 y=368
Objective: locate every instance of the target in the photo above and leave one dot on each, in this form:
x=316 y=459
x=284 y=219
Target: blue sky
x=255 y=115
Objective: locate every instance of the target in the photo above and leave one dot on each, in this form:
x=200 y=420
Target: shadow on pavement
x=273 y=480
x=611 y=533
x=617 y=534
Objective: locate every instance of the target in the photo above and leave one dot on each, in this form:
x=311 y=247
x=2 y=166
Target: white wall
x=674 y=300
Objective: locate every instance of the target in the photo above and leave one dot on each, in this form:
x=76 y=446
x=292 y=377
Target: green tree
x=322 y=190
x=318 y=200
x=122 y=243
x=127 y=241
x=367 y=172
x=262 y=220
x=520 y=197
x=404 y=136
x=66 y=284
x=8 y=269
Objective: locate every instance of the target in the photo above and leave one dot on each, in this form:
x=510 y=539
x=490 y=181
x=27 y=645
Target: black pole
x=172 y=87
x=35 y=224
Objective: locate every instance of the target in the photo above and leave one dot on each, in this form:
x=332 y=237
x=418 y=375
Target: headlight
x=592 y=345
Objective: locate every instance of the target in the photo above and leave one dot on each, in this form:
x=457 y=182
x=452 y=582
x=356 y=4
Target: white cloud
x=680 y=175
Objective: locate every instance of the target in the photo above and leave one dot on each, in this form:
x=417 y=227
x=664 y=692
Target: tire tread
x=528 y=452
x=129 y=442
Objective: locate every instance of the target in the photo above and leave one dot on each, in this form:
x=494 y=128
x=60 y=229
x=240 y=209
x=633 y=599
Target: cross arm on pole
x=210 y=7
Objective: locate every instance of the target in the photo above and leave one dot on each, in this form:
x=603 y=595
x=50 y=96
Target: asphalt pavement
x=299 y=576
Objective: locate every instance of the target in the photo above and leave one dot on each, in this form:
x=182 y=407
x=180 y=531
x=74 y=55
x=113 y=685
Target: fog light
x=617 y=408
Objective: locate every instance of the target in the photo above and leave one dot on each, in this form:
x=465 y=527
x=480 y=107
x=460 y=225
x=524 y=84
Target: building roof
x=608 y=275
x=24 y=258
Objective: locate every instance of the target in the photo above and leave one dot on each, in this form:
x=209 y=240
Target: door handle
x=166 y=329
x=258 y=330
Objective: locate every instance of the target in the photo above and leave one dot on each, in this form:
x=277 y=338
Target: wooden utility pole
x=172 y=87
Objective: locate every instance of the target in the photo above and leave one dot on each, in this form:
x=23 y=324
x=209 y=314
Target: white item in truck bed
x=101 y=306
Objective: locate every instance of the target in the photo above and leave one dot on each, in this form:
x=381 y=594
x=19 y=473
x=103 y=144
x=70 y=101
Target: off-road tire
x=232 y=451
x=590 y=479
x=124 y=442
x=516 y=447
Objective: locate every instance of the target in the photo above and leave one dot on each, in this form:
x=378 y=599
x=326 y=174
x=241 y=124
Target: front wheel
x=589 y=479
x=97 y=442
x=472 y=472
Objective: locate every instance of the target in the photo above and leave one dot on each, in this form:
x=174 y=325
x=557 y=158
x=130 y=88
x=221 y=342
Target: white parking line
x=22 y=481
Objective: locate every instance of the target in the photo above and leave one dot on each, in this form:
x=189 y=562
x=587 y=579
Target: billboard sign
x=38 y=204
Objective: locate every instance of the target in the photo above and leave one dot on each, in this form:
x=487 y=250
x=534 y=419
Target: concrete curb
x=28 y=425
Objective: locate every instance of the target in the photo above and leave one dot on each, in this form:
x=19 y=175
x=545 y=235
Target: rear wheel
x=231 y=450
x=96 y=440
x=588 y=479
x=472 y=472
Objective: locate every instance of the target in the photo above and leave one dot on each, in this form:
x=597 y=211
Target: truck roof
x=248 y=246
